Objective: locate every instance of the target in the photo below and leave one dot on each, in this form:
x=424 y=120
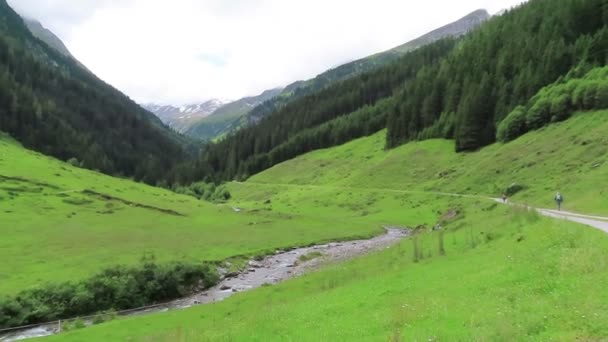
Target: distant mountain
x=349 y=70
x=182 y=118
x=46 y=36
x=228 y=116
x=49 y=103
x=455 y=29
x=240 y=116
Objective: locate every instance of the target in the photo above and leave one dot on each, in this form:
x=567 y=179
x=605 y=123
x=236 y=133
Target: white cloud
x=183 y=51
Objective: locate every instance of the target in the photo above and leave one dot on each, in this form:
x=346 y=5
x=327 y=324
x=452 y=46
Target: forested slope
x=52 y=105
x=460 y=93
x=500 y=66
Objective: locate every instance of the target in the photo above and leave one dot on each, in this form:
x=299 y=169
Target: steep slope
x=182 y=118
x=227 y=116
x=498 y=67
x=244 y=115
x=47 y=36
x=51 y=104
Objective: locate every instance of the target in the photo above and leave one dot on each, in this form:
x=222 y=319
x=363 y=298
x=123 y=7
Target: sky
x=187 y=51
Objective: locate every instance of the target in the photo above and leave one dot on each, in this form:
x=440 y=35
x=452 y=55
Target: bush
x=560 y=108
x=205 y=191
x=513 y=126
x=118 y=287
x=513 y=189
x=539 y=114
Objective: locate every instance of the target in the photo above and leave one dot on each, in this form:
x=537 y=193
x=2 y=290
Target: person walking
x=559 y=199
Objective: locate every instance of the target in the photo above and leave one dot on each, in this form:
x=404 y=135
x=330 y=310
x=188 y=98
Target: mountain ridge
x=342 y=72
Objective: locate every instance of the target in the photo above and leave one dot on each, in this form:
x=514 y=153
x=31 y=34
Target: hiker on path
x=504 y=198
x=559 y=199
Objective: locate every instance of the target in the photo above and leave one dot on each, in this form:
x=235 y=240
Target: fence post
x=59 y=326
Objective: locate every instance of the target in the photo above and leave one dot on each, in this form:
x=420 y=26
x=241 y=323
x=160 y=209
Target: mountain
x=49 y=103
x=348 y=70
x=461 y=89
x=181 y=118
x=46 y=36
x=455 y=29
x=228 y=116
x=241 y=116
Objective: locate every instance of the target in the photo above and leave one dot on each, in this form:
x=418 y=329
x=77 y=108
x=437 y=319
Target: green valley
x=506 y=273
x=451 y=189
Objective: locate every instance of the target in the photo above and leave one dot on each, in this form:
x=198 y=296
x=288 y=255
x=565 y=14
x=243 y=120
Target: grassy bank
x=571 y=157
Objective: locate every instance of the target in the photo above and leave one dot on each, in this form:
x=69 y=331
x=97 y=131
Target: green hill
x=507 y=274
x=61 y=223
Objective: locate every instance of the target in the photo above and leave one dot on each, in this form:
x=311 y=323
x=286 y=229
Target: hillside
x=51 y=104
x=456 y=90
x=238 y=115
x=61 y=222
x=509 y=270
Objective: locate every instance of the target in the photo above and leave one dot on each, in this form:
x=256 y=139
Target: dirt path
x=598 y=222
x=273 y=269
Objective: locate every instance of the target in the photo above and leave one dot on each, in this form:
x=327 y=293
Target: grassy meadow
x=570 y=157
x=63 y=223
x=505 y=275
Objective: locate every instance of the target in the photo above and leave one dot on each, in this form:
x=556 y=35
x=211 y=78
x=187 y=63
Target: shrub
x=205 y=191
x=539 y=114
x=513 y=189
x=118 y=287
x=513 y=126
x=560 y=108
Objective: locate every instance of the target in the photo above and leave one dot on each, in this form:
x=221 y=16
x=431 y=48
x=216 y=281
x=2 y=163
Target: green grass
x=55 y=228
x=506 y=275
x=571 y=157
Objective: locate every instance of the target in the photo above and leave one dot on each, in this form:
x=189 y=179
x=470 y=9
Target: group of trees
x=557 y=102
x=115 y=288
x=498 y=67
x=53 y=105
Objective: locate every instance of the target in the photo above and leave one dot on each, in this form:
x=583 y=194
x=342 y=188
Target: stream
x=271 y=270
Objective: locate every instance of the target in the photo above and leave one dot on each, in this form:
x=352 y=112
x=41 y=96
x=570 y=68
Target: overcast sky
x=185 y=51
